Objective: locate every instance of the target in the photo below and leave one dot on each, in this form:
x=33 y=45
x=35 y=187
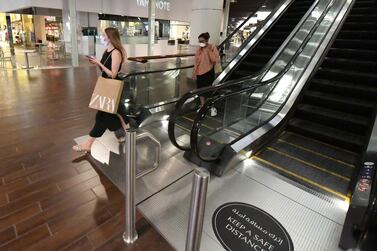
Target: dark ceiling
x=243 y=8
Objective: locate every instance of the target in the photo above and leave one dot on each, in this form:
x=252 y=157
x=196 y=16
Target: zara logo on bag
x=103 y=103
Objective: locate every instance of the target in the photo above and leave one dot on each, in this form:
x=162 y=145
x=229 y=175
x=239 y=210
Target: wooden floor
x=50 y=197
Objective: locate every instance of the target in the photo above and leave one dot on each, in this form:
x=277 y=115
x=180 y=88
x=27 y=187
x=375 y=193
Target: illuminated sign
x=160 y=4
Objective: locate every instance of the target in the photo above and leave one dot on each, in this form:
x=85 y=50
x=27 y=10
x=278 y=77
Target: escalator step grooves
x=327 y=134
x=321 y=147
x=303 y=174
x=337 y=119
x=329 y=129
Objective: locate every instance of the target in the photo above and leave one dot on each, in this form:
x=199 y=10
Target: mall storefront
x=34 y=25
x=27 y=30
x=135 y=29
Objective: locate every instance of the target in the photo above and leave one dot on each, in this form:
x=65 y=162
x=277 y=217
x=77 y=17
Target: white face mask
x=104 y=41
x=202 y=45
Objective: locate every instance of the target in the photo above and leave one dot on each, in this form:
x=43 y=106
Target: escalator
x=318 y=142
x=258 y=56
x=288 y=15
x=330 y=127
x=181 y=121
x=316 y=130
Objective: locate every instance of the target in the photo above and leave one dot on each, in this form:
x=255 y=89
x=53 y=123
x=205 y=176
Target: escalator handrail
x=197 y=92
x=211 y=101
x=258 y=76
x=144 y=59
x=124 y=76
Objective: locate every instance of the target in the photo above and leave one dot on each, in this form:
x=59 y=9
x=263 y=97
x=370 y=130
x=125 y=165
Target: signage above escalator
x=239 y=226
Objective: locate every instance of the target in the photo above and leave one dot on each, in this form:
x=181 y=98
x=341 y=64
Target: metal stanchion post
x=197 y=208
x=130 y=234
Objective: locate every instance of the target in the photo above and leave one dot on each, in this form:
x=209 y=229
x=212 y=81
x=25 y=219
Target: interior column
x=206 y=17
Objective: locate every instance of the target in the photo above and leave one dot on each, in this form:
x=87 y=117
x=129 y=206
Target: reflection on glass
x=236 y=115
x=241 y=30
x=154 y=88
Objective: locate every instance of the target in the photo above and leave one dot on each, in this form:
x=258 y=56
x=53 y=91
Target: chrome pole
x=198 y=204
x=130 y=234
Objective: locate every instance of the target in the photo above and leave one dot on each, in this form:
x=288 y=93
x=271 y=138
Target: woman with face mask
x=206 y=57
x=110 y=65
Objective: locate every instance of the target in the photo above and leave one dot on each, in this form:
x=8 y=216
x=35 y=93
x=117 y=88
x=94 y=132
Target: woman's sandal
x=78 y=148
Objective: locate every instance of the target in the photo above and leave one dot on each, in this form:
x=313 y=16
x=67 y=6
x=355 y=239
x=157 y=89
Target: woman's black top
x=107 y=62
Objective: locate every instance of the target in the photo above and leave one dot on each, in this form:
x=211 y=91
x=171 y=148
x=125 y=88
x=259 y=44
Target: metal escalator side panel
x=301 y=71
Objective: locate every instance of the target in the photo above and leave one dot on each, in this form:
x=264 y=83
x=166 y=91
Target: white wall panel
x=180 y=10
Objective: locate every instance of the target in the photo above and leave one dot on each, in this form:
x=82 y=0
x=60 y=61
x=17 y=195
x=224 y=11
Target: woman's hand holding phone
x=93 y=59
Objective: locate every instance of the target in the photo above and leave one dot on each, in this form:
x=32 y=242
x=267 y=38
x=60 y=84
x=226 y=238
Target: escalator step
x=259 y=57
x=365 y=4
x=355 y=44
x=349 y=64
x=265 y=50
x=277 y=35
x=304 y=174
x=295 y=15
x=361 y=18
x=353 y=54
x=327 y=134
x=348 y=76
x=344 y=88
x=336 y=119
x=252 y=66
x=282 y=27
x=307 y=2
x=340 y=103
x=272 y=42
x=331 y=151
x=363 y=10
x=317 y=159
x=241 y=73
x=299 y=7
x=358 y=34
x=357 y=26
x=291 y=21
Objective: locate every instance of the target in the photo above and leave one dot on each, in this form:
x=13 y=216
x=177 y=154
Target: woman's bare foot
x=84 y=147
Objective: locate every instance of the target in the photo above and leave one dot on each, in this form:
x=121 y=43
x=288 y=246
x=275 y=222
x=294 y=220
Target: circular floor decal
x=240 y=226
